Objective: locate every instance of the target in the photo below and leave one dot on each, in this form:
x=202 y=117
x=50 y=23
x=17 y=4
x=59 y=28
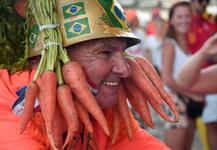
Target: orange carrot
x=59 y=127
x=84 y=116
x=47 y=100
x=67 y=106
x=74 y=76
x=149 y=71
x=139 y=103
x=124 y=110
x=158 y=108
x=168 y=99
x=140 y=79
x=156 y=81
x=30 y=98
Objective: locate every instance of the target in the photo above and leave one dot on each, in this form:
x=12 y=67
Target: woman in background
x=175 y=53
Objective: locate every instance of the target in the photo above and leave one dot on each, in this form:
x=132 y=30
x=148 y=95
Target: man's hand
x=210 y=46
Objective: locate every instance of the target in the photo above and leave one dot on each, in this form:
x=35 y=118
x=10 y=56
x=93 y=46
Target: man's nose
x=120 y=66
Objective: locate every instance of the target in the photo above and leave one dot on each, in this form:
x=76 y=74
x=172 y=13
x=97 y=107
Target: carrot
x=116 y=125
x=58 y=128
x=30 y=98
x=74 y=76
x=47 y=100
x=149 y=71
x=139 y=103
x=167 y=98
x=84 y=116
x=156 y=81
x=123 y=109
x=158 y=108
x=67 y=106
x=140 y=79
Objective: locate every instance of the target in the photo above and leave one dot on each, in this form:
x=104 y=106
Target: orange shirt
x=141 y=141
x=10 y=138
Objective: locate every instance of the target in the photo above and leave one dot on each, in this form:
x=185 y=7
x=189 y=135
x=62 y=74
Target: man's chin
x=106 y=102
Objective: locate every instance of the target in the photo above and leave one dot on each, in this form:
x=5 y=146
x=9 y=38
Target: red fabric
x=200 y=31
x=150 y=28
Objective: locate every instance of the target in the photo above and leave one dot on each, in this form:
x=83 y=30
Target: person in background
x=202 y=28
x=194 y=77
x=174 y=53
x=138 y=31
x=98 y=48
x=155 y=32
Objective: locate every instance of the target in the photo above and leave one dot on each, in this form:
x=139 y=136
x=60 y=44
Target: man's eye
x=107 y=53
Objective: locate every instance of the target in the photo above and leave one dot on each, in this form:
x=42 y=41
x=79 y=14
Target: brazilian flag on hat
x=82 y=20
x=79 y=20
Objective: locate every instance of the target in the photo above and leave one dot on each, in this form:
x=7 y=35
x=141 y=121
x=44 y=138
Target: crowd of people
x=103 y=43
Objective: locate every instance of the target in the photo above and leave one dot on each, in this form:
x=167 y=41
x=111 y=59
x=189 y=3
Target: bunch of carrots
x=142 y=88
x=63 y=90
x=64 y=96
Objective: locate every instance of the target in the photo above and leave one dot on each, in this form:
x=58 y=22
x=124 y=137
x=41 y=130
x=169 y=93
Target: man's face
x=199 y=5
x=104 y=65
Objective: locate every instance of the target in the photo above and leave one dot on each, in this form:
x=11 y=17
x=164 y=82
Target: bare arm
x=168 y=56
x=193 y=77
x=190 y=71
x=206 y=82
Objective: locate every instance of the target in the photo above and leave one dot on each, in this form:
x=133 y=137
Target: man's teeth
x=110 y=83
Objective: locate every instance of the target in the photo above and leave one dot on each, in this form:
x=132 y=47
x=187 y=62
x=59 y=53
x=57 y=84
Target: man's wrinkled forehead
x=118 y=43
x=201 y=1
x=110 y=43
x=106 y=41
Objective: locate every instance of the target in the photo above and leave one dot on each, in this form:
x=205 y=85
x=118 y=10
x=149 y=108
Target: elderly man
x=95 y=34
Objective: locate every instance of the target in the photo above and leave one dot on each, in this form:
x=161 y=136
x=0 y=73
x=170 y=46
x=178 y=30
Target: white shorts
x=209 y=112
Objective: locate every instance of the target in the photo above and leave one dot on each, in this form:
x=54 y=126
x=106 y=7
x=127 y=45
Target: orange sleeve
x=141 y=141
x=10 y=139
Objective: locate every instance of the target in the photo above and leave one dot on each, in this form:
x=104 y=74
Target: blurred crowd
x=183 y=50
